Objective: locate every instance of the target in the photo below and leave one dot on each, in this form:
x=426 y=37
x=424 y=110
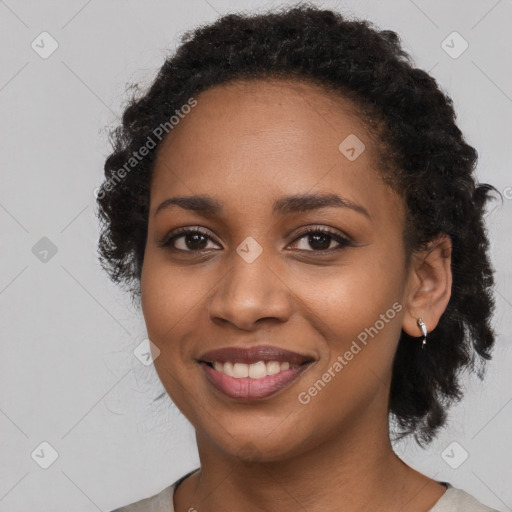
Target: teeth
x=257 y=370
x=240 y=370
x=254 y=371
x=273 y=367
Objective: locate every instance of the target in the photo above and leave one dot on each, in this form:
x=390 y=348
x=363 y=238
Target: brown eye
x=194 y=240
x=320 y=240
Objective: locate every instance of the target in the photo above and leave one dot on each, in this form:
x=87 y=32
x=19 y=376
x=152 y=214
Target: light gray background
x=68 y=374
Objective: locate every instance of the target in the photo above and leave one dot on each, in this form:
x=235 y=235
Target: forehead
x=257 y=138
x=245 y=108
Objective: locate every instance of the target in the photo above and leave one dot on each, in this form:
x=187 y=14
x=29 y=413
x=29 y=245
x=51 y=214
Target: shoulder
x=453 y=500
x=161 y=502
x=457 y=500
x=157 y=503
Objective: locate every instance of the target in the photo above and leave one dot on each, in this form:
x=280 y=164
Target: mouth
x=257 y=370
x=254 y=373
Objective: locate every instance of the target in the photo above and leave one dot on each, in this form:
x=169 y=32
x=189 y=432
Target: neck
x=357 y=468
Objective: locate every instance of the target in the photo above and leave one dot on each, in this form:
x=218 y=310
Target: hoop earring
x=423 y=328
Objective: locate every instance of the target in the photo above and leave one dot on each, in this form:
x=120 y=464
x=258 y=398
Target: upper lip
x=253 y=355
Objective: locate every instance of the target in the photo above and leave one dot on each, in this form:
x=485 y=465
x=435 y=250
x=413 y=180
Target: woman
x=295 y=207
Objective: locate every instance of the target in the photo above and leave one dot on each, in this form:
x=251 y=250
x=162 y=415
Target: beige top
x=453 y=500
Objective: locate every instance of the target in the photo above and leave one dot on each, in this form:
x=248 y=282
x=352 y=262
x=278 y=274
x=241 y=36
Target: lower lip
x=252 y=389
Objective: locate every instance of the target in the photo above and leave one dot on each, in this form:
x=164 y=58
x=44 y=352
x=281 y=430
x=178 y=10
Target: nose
x=249 y=293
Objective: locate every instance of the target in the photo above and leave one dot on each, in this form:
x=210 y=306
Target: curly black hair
x=423 y=154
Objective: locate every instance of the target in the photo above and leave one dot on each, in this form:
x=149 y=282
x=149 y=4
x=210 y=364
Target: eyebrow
x=285 y=205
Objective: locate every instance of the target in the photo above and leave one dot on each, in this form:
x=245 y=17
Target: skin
x=248 y=144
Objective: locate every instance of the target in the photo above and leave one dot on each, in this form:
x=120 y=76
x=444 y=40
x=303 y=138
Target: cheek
x=357 y=311
x=167 y=296
x=173 y=304
x=352 y=297
x=168 y=300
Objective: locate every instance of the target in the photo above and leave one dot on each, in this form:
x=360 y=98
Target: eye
x=321 y=238
x=193 y=240
x=196 y=240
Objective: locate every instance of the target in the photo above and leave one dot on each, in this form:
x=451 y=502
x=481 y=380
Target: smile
x=247 y=382
x=257 y=370
x=252 y=373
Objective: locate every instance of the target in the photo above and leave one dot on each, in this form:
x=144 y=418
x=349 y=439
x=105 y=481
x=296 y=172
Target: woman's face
x=254 y=277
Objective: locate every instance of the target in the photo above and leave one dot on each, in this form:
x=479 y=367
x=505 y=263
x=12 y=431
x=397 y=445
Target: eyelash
x=181 y=232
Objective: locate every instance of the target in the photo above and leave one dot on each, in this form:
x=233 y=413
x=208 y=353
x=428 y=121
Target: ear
x=429 y=285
